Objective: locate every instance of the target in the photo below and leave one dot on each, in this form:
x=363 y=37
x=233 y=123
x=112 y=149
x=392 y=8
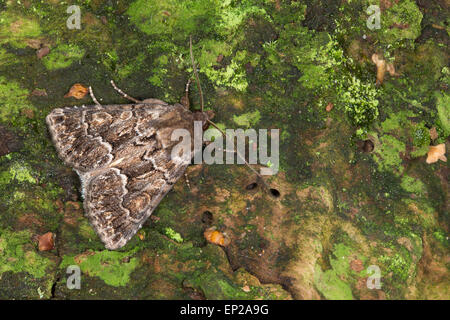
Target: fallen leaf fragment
x=433 y=133
x=436 y=153
x=77 y=91
x=357 y=265
x=42 y=52
x=246 y=288
x=382 y=67
x=216 y=237
x=329 y=107
x=46 y=242
x=39 y=92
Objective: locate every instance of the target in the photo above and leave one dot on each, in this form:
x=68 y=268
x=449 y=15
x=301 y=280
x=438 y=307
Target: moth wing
x=86 y=136
x=117 y=205
x=123 y=156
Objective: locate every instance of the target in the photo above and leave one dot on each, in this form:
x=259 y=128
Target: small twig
x=93 y=97
x=124 y=94
x=196 y=73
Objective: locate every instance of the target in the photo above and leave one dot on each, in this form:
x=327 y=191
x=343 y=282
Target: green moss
x=177 y=18
x=399 y=265
x=247 y=120
x=17 y=254
x=340 y=263
x=330 y=286
x=15 y=29
x=5 y=57
x=360 y=101
x=412 y=185
x=403 y=13
x=13 y=99
x=388 y=155
x=63 y=56
x=442 y=106
x=17 y=172
x=113 y=267
x=172 y=234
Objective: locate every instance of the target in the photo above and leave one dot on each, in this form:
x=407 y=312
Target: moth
x=122 y=154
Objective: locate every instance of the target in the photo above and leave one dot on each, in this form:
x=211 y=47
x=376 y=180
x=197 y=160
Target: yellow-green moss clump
x=16 y=29
x=63 y=56
x=13 y=98
x=113 y=267
x=17 y=254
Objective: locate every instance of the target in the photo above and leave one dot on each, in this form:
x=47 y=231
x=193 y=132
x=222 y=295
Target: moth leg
x=93 y=97
x=185 y=99
x=124 y=94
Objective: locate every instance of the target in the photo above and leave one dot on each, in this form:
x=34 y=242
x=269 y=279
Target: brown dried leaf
x=77 y=91
x=433 y=133
x=357 y=265
x=46 y=242
x=436 y=153
x=381 y=67
x=329 y=107
x=39 y=92
x=42 y=52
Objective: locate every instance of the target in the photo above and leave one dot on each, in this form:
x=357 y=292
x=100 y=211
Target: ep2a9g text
x=246 y=309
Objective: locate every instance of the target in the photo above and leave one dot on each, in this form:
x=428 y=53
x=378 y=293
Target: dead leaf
x=77 y=91
x=42 y=52
x=39 y=93
x=357 y=265
x=436 y=153
x=381 y=67
x=433 y=133
x=329 y=107
x=391 y=69
x=46 y=242
x=27 y=112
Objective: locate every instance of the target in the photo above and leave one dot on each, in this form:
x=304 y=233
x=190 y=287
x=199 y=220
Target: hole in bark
x=207 y=218
x=365 y=145
x=275 y=193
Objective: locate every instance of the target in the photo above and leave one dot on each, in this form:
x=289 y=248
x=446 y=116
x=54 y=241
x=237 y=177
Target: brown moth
x=122 y=154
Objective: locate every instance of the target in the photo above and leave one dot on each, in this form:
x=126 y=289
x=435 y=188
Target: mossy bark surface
x=263 y=65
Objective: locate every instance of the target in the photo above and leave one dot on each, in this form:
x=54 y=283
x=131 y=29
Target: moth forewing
x=124 y=157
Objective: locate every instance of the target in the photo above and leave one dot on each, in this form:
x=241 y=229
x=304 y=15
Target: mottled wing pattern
x=122 y=154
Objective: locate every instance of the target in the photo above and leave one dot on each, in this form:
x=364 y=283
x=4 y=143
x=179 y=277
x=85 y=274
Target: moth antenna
x=91 y=93
x=240 y=156
x=124 y=94
x=197 y=79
